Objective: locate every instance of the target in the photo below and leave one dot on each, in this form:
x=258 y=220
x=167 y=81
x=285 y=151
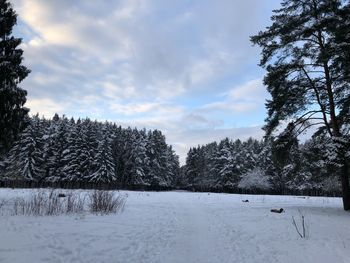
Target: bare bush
x=19 y=206
x=43 y=203
x=74 y=203
x=104 y=202
x=48 y=203
x=301 y=230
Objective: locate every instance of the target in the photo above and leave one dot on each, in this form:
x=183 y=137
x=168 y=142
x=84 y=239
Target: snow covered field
x=182 y=227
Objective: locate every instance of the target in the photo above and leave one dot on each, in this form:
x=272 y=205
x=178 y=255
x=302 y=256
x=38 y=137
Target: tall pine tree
x=12 y=98
x=305 y=76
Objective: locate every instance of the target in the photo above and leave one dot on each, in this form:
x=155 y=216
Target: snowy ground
x=182 y=227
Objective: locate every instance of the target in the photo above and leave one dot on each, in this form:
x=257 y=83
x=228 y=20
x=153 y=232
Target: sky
x=184 y=67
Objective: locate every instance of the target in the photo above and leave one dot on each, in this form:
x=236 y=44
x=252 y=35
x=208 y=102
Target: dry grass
x=49 y=203
x=105 y=202
x=43 y=203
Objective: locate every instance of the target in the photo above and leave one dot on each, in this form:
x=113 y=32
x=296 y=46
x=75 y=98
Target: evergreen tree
x=316 y=168
x=172 y=167
x=196 y=168
x=56 y=144
x=299 y=54
x=25 y=160
x=137 y=161
x=89 y=145
x=119 y=152
x=68 y=152
x=191 y=172
x=226 y=165
x=12 y=98
x=210 y=170
x=157 y=154
x=104 y=165
x=283 y=150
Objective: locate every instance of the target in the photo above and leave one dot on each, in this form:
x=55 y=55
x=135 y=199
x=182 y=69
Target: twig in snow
x=302 y=232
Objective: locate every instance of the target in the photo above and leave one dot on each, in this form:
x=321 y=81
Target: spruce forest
x=84 y=153
x=62 y=152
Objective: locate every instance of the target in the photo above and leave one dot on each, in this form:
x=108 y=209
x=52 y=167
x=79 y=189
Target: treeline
x=83 y=153
x=64 y=152
x=271 y=166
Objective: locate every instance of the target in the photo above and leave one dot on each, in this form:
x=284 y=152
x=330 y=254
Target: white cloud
x=245 y=98
x=160 y=64
x=231 y=106
x=253 y=90
x=45 y=107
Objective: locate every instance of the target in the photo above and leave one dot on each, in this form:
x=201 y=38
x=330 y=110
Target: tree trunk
x=345 y=185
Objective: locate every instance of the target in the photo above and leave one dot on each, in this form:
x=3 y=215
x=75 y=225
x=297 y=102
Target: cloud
x=253 y=90
x=230 y=106
x=151 y=108
x=45 y=107
x=136 y=43
x=245 y=98
x=172 y=65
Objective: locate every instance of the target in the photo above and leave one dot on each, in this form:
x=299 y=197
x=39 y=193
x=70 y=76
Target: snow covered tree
x=25 y=160
x=70 y=158
x=255 y=179
x=172 y=166
x=119 y=155
x=12 y=98
x=70 y=153
x=136 y=161
x=316 y=168
x=210 y=170
x=284 y=148
x=226 y=165
x=305 y=73
x=157 y=154
x=55 y=145
x=104 y=165
x=195 y=167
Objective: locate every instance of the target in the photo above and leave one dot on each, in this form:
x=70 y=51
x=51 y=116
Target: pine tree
x=136 y=161
x=172 y=167
x=57 y=144
x=119 y=152
x=104 y=165
x=89 y=144
x=157 y=155
x=226 y=165
x=303 y=74
x=210 y=153
x=317 y=169
x=25 y=160
x=191 y=172
x=12 y=98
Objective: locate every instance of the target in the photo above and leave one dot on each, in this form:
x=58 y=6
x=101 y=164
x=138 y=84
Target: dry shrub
x=43 y=203
x=105 y=202
x=48 y=203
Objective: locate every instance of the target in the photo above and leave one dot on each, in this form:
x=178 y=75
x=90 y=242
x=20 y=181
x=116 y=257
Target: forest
x=305 y=53
x=84 y=153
